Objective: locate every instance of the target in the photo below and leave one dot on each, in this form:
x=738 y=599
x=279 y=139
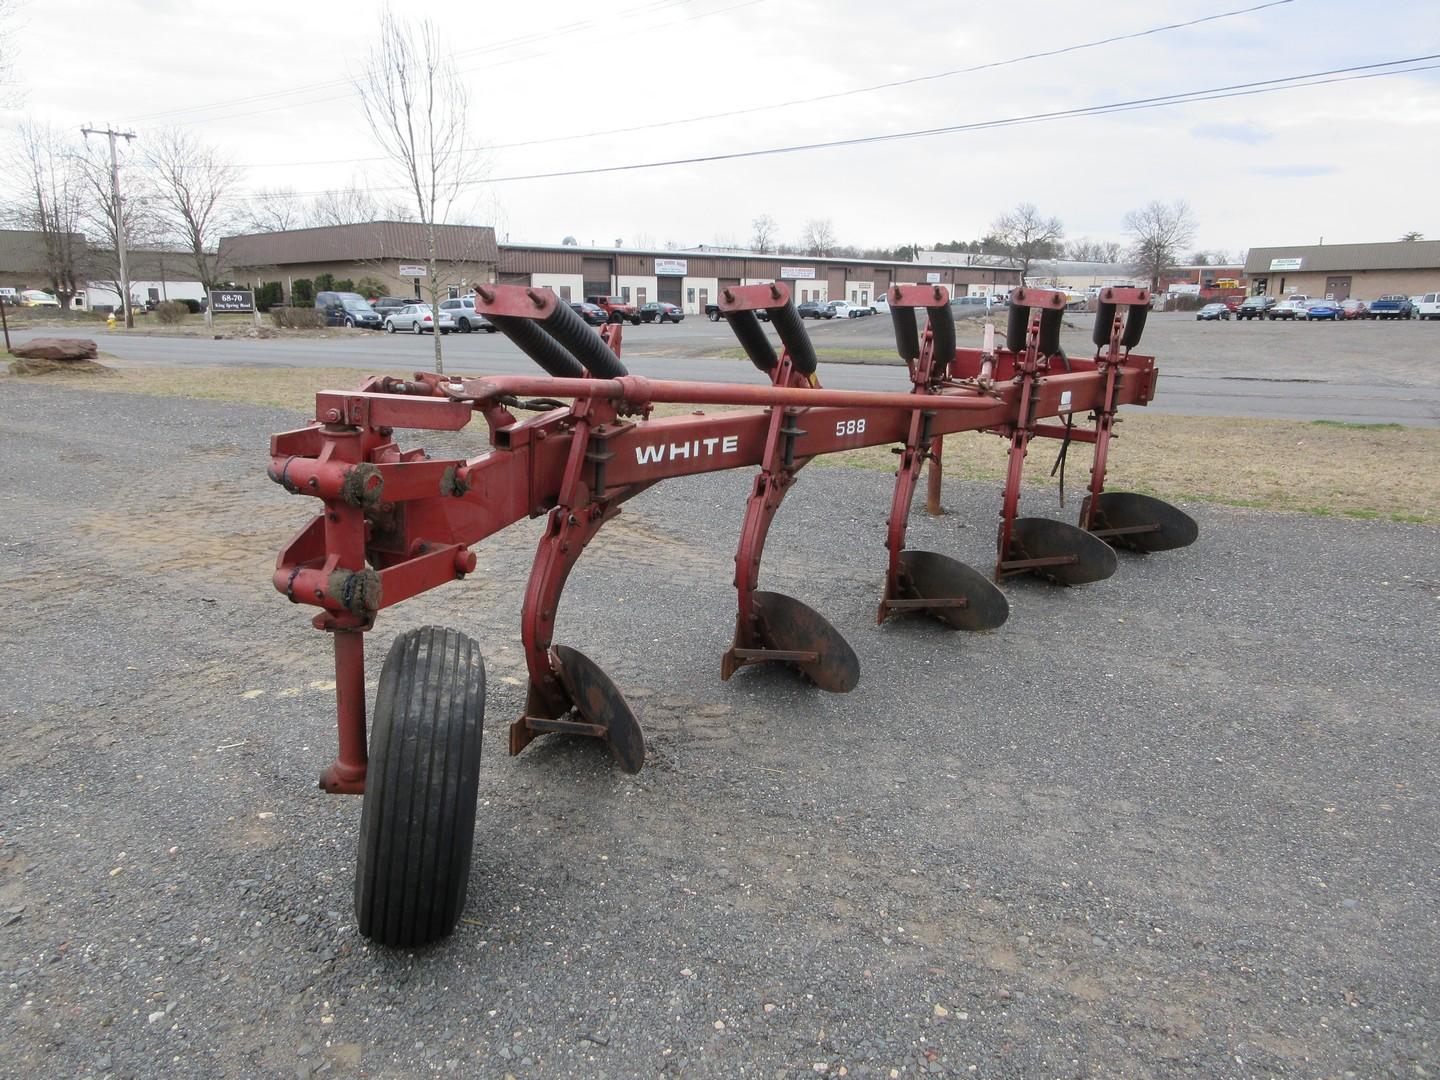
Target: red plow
x=396 y=522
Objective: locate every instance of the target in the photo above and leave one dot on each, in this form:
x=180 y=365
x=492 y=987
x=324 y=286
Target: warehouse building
x=390 y=253
x=693 y=279
x=1343 y=271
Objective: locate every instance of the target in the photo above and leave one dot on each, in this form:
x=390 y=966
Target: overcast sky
x=270 y=85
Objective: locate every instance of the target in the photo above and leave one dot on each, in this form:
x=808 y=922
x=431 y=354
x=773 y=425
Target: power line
x=1247 y=89
x=629 y=31
x=853 y=91
x=548 y=34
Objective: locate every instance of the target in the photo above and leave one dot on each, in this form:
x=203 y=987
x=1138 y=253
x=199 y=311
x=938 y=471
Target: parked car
x=1415 y=306
x=1428 y=306
x=714 y=314
x=1232 y=303
x=462 y=310
x=814 y=309
x=386 y=304
x=418 y=319
x=963 y=306
x=1254 y=307
x=1354 y=309
x=616 y=307
x=1292 y=307
x=347 y=309
x=1212 y=313
x=880 y=305
x=1324 y=309
x=843 y=309
x=659 y=312
x=591 y=313
x=1390 y=306
x=37 y=298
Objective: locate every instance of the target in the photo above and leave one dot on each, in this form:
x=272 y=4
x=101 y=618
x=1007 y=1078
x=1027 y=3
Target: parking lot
x=1354 y=372
x=1176 y=823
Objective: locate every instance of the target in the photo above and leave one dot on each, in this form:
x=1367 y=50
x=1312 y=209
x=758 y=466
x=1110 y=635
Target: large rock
x=64 y=350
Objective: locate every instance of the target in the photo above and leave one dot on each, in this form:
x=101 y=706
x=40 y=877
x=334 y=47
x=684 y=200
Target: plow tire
x=418 y=823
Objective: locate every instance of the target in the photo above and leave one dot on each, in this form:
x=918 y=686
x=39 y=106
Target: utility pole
x=119 y=209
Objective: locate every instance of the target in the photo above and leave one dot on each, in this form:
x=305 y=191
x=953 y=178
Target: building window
x=625 y=292
x=565 y=293
x=640 y=296
x=689 y=296
x=854 y=296
x=454 y=291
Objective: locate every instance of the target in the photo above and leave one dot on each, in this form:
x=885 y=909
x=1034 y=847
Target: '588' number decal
x=850 y=427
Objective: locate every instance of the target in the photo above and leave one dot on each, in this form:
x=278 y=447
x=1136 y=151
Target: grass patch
x=1360 y=471
x=1357 y=427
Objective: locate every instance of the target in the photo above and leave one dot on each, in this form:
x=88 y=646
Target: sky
x=271 y=86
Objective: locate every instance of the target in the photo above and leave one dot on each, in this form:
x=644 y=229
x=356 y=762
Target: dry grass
x=1362 y=471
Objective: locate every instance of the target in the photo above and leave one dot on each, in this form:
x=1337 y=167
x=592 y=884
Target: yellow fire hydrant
x=110 y=321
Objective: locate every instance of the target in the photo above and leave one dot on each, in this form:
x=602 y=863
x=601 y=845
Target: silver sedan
x=418 y=319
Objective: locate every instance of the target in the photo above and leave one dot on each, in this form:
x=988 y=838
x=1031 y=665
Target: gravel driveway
x=1180 y=823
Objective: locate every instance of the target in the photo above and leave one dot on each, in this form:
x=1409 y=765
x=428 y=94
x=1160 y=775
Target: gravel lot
x=1180 y=823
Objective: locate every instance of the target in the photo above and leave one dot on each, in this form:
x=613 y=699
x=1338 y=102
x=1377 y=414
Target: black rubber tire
x=714 y=316
x=465 y=326
x=635 y=321
x=389 y=326
x=349 y=324
x=417 y=826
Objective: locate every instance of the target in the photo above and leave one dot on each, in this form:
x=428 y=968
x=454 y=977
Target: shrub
x=268 y=296
x=370 y=287
x=302 y=292
x=344 y=285
x=192 y=306
x=324 y=283
x=297 y=317
x=171 y=312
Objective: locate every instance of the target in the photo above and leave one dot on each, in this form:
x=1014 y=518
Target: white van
x=1427 y=306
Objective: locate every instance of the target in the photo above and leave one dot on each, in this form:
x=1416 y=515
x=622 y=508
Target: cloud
x=1248 y=132
x=1296 y=172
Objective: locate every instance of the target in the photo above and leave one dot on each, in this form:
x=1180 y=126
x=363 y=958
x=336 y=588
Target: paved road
x=1180 y=823
x=1295 y=372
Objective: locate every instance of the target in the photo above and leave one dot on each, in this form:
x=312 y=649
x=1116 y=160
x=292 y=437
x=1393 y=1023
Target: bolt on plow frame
x=573 y=445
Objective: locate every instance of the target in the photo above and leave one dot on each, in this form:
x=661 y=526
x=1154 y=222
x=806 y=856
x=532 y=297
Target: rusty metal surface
x=789 y=631
x=945 y=588
x=1058 y=551
x=1139 y=522
x=602 y=706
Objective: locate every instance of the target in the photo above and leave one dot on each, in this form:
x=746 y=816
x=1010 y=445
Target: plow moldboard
x=929 y=575
x=599 y=701
x=1045 y=538
x=1128 y=509
x=791 y=626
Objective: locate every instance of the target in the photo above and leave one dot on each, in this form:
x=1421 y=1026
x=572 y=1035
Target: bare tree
x=106 y=220
x=9 y=13
x=344 y=206
x=1026 y=235
x=763 y=234
x=271 y=210
x=818 y=239
x=1097 y=251
x=50 y=205
x=193 y=198
x=1411 y=236
x=1158 y=234
x=416 y=107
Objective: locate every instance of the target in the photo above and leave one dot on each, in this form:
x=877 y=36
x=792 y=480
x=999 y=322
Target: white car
x=880 y=305
x=1292 y=307
x=418 y=319
x=1427 y=306
x=36 y=298
x=843 y=309
x=462 y=310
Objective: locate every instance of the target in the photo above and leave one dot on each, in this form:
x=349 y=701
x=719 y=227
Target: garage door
x=669 y=289
x=596 y=273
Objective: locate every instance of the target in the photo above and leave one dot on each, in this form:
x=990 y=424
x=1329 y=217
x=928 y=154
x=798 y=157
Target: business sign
x=932 y=277
x=1285 y=264
x=232 y=300
x=797 y=273
x=412 y=270
x=671 y=267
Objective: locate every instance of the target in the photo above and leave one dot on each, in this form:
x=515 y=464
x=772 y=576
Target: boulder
x=63 y=350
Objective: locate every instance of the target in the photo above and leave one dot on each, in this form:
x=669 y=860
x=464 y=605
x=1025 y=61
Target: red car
x=1353 y=309
x=616 y=308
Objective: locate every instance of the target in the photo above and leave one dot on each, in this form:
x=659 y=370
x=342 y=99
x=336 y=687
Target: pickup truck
x=616 y=308
x=1390 y=307
x=1254 y=307
x=1292 y=307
